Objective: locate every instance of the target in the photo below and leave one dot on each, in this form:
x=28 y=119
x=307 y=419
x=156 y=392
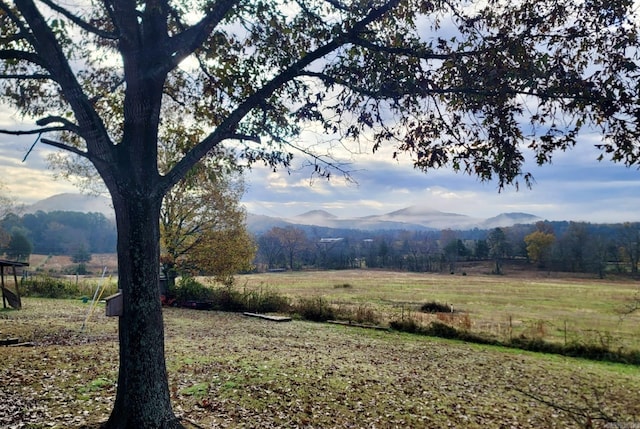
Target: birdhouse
x=114 y=304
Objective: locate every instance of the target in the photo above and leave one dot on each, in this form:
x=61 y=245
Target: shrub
x=227 y=298
x=406 y=325
x=343 y=286
x=189 y=289
x=49 y=287
x=442 y=330
x=264 y=300
x=362 y=313
x=316 y=309
x=366 y=314
x=435 y=307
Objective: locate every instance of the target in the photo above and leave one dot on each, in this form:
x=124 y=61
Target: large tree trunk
x=143 y=399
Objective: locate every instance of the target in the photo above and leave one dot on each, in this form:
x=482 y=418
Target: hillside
x=415 y=218
x=411 y=218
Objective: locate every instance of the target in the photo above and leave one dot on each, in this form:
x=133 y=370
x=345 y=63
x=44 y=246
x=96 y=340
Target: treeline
x=57 y=233
x=555 y=246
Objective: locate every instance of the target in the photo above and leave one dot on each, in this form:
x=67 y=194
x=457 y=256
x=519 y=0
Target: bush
x=49 y=287
x=435 y=307
x=406 y=325
x=264 y=300
x=227 y=299
x=343 y=286
x=189 y=289
x=362 y=314
x=441 y=330
x=316 y=309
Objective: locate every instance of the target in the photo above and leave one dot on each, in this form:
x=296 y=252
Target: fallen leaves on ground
x=229 y=371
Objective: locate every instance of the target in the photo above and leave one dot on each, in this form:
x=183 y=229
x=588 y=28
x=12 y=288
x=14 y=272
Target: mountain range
x=409 y=218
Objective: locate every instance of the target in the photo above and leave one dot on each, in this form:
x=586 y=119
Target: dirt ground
x=230 y=371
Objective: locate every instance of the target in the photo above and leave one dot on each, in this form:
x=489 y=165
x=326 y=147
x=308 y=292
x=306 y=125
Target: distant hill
x=74 y=202
x=409 y=218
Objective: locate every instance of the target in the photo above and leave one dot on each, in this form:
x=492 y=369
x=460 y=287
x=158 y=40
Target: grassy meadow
x=554 y=309
x=227 y=370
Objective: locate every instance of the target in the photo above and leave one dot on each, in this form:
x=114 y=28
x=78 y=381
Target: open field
x=561 y=310
x=227 y=370
x=62 y=263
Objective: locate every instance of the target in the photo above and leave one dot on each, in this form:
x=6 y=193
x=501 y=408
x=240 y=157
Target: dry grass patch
x=227 y=370
x=567 y=309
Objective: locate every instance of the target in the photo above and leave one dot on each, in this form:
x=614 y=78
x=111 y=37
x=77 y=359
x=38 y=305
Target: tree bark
x=143 y=397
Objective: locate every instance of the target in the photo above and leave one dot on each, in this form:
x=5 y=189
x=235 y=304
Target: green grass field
x=227 y=370
x=565 y=309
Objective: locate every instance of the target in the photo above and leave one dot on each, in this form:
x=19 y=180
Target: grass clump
x=191 y=293
x=596 y=352
x=343 y=286
x=316 y=309
x=436 y=307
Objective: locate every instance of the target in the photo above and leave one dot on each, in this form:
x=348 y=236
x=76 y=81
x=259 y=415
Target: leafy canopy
x=454 y=83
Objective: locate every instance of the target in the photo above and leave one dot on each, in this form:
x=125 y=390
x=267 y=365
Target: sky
x=575 y=187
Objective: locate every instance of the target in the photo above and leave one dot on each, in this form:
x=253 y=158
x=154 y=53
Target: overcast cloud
x=575 y=187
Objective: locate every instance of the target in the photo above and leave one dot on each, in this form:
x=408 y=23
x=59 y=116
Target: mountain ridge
x=409 y=218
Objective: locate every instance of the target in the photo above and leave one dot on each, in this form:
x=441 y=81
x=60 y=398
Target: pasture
x=561 y=309
x=227 y=370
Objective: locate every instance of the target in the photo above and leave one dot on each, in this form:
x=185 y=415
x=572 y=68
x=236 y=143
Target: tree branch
x=70 y=126
x=184 y=44
x=66 y=147
x=16 y=54
x=415 y=53
x=79 y=22
x=53 y=59
x=226 y=129
x=35 y=76
x=31 y=132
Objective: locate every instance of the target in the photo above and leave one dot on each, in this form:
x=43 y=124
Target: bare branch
x=66 y=147
x=35 y=131
x=185 y=43
x=255 y=139
x=112 y=89
x=79 y=22
x=35 y=76
x=70 y=126
x=16 y=54
x=339 y=5
x=409 y=52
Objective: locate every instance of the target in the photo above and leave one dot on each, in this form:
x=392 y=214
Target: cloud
x=574 y=187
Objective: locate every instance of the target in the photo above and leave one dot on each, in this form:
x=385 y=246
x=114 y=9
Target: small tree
x=19 y=247
x=225 y=252
x=81 y=255
x=539 y=247
x=196 y=215
x=499 y=247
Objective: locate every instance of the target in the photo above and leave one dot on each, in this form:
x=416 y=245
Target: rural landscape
x=230 y=370
x=174 y=306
